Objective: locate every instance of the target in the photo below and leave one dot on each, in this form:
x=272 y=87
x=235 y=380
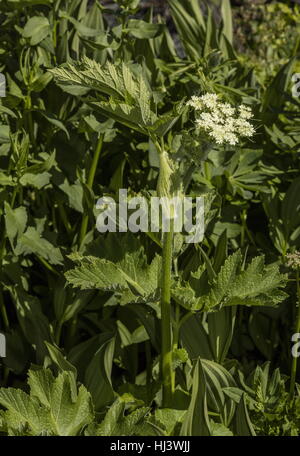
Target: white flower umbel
x=223 y=123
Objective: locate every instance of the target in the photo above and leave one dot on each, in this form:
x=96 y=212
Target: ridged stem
x=167 y=374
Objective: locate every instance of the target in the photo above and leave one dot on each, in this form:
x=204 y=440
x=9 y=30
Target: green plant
x=144 y=333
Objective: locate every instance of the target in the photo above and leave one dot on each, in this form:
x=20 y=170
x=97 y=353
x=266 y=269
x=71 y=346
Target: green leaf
x=4 y=134
x=195 y=339
x=218 y=378
x=36 y=28
x=39 y=84
x=35 y=180
x=116 y=424
x=227 y=20
x=219 y=430
x=220 y=331
x=53 y=407
x=32 y=242
x=34 y=324
x=98 y=375
x=130 y=116
x=275 y=94
x=89 y=74
x=23 y=411
x=143 y=30
x=61 y=362
x=15 y=221
x=179 y=357
x=196 y=421
x=243 y=425
x=190 y=25
x=45 y=165
x=257 y=285
x=110 y=422
x=81 y=28
x=57 y=123
x=169 y=418
x=74 y=193
x=130 y=97
x=132 y=276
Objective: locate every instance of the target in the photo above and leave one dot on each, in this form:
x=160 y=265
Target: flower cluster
x=293 y=260
x=222 y=122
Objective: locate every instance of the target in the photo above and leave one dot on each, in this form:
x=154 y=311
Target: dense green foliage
x=94 y=93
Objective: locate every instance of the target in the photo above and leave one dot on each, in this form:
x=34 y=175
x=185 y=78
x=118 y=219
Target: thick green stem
x=165 y=189
x=90 y=182
x=166 y=326
x=297 y=330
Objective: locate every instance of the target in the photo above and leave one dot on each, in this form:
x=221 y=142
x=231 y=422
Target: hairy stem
x=165 y=190
x=166 y=325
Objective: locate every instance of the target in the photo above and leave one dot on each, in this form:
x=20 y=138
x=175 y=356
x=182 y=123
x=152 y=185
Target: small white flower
x=244 y=128
x=194 y=101
x=293 y=260
x=232 y=139
x=224 y=123
x=226 y=109
x=210 y=100
x=245 y=112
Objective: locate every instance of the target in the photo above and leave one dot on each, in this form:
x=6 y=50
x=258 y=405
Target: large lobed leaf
x=116 y=423
x=130 y=98
x=132 y=277
x=53 y=407
x=257 y=285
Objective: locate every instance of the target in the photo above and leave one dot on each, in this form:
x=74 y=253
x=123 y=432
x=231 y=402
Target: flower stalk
x=164 y=189
x=166 y=324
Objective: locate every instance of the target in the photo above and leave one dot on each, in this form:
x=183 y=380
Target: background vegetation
x=84 y=347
